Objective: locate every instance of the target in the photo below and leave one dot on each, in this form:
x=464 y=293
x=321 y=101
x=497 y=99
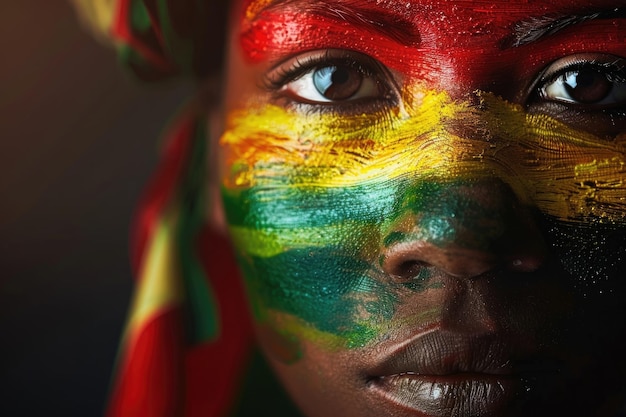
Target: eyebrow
x=536 y=28
x=389 y=24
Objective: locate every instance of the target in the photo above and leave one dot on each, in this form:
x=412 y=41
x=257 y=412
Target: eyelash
x=279 y=77
x=286 y=72
x=614 y=71
x=386 y=94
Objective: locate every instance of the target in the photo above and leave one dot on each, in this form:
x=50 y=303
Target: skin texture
x=442 y=231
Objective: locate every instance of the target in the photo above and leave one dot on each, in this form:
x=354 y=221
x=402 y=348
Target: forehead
x=446 y=26
x=443 y=12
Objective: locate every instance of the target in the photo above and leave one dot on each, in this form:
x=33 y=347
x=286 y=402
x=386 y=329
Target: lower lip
x=452 y=395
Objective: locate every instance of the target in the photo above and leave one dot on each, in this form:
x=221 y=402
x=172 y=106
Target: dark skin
x=484 y=294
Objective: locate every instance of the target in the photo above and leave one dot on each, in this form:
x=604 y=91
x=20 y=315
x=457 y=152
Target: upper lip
x=439 y=353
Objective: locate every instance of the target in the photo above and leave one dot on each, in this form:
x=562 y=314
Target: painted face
x=428 y=202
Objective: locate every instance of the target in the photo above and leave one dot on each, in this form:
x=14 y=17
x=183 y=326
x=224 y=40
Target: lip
x=440 y=373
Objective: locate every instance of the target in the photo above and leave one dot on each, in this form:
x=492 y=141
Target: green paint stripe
x=287 y=207
x=267 y=243
x=290 y=207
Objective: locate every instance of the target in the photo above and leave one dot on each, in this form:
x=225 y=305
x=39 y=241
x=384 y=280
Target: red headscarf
x=188 y=332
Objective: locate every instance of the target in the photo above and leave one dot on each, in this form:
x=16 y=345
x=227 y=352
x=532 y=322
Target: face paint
x=311 y=198
x=540 y=157
x=278 y=34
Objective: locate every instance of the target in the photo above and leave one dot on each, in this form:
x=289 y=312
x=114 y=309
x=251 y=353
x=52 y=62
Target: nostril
x=408 y=260
x=463 y=231
x=408 y=269
x=402 y=260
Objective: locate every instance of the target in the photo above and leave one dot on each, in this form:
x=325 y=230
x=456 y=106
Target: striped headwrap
x=161 y=38
x=188 y=333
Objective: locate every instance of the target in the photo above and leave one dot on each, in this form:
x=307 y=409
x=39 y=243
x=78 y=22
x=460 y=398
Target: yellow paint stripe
x=565 y=172
x=267 y=243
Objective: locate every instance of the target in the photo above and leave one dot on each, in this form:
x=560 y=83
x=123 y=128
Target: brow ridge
x=524 y=32
x=388 y=24
x=536 y=28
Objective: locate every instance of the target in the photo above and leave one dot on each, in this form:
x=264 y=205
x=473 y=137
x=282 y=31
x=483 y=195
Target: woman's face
x=428 y=202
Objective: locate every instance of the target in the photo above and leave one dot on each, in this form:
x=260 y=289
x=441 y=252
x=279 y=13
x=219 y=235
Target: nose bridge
x=464 y=228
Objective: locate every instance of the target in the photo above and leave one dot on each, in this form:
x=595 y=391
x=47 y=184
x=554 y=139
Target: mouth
x=447 y=374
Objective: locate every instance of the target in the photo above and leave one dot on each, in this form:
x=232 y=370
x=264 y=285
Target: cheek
x=594 y=255
x=305 y=249
x=308 y=255
x=577 y=182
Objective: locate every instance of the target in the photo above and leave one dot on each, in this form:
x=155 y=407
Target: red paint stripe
x=447 y=53
x=278 y=35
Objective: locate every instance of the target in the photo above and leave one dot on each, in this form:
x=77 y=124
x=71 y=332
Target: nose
x=464 y=230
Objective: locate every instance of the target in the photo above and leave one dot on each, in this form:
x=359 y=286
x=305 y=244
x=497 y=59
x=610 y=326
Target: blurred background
x=78 y=140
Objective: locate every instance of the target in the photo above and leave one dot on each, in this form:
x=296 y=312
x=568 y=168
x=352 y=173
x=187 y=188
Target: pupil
x=587 y=86
x=337 y=83
x=340 y=76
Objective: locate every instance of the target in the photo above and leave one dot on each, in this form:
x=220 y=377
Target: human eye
x=586 y=91
x=586 y=81
x=332 y=79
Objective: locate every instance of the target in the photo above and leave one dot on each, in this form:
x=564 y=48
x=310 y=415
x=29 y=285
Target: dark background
x=78 y=140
